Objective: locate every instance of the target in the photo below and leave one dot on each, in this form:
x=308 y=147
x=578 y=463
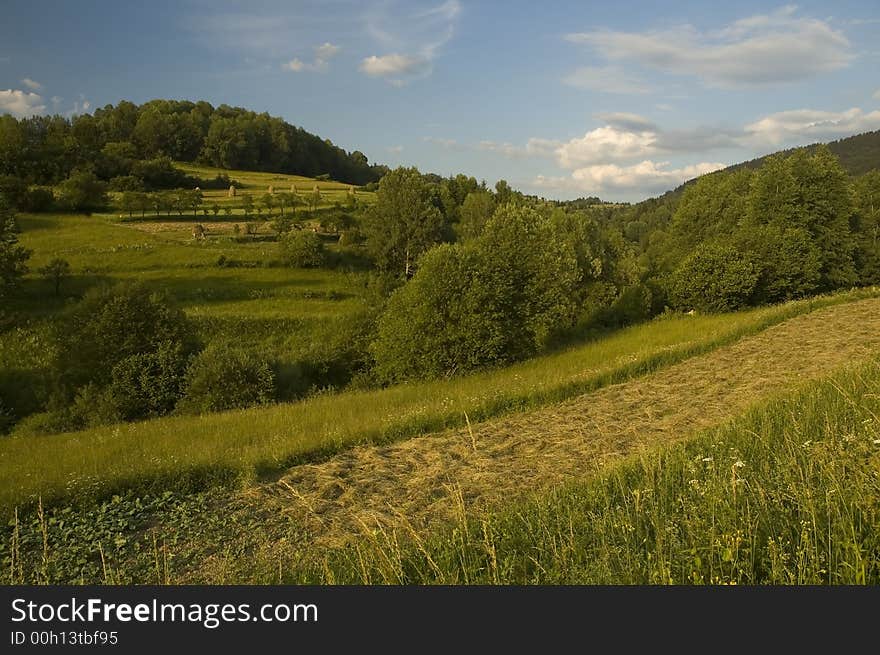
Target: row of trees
x=47 y=149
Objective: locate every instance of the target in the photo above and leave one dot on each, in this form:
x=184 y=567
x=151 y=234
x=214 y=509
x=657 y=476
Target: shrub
x=126 y=183
x=37 y=200
x=112 y=324
x=715 y=278
x=148 y=384
x=83 y=191
x=788 y=262
x=303 y=249
x=224 y=377
x=7 y=418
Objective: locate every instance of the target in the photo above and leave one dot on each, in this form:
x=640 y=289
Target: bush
x=715 y=278
x=7 y=418
x=351 y=237
x=37 y=200
x=126 y=183
x=112 y=324
x=303 y=249
x=224 y=377
x=83 y=191
x=160 y=173
x=788 y=262
x=148 y=384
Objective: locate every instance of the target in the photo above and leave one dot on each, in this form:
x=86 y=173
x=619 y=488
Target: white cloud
x=758 y=50
x=646 y=176
x=413 y=37
x=606 y=144
x=21 y=103
x=608 y=79
x=394 y=65
x=33 y=85
x=323 y=54
x=876 y=95
x=394 y=150
x=799 y=125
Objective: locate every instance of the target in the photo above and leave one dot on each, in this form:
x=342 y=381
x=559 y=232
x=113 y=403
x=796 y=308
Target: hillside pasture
x=192 y=452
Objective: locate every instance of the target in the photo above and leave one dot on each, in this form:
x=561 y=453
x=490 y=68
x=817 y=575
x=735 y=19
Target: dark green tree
x=403 y=223
x=56 y=271
x=714 y=278
x=13 y=257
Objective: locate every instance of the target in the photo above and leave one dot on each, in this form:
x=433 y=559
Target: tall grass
x=787 y=494
x=188 y=453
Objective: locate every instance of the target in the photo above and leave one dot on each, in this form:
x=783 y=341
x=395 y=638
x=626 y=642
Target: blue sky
x=618 y=99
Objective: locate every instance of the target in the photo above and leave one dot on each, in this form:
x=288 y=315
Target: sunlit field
x=188 y=452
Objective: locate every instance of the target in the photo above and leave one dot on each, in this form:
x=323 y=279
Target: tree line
x=128 y=145
x=466 y=276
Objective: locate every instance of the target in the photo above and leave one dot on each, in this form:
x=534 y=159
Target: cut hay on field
x=409 y=482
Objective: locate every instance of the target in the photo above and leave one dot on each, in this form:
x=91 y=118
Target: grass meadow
x=189 y=453
x=787 y=493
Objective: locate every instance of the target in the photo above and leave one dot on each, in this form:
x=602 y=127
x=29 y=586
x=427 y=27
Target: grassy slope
x=187 y=452
x=787 y=494
x=282 y=311
x=257 y=184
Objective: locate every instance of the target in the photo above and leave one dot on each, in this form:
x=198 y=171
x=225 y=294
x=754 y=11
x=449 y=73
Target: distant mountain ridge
x=858 y=154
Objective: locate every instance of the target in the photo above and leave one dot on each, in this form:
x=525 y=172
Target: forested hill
x=45 y=149
x=857 y=154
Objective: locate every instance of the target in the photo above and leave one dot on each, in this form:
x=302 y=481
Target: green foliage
x=710 y=208
x=403 y=223
x=303 y=249
x=37 y=200
x=714 y=278
x=83 y=191
x=148 y=384
x=112 y=324
x=149 y=453
x=56 y=270
x=474 y=213
x=786 y=258
x=281 y=225
x=12 y=255
x=867 y=218
x=225 y=377
x=160 y=173
x=492 y=300
x=809 y=191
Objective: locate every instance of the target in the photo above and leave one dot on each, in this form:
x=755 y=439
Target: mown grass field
x=788 y=493
x=189 y=453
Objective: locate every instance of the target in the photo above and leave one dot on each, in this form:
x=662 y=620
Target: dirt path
x=506 y=458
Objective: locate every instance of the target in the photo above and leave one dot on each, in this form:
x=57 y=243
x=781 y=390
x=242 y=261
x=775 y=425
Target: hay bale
x=231 y=193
